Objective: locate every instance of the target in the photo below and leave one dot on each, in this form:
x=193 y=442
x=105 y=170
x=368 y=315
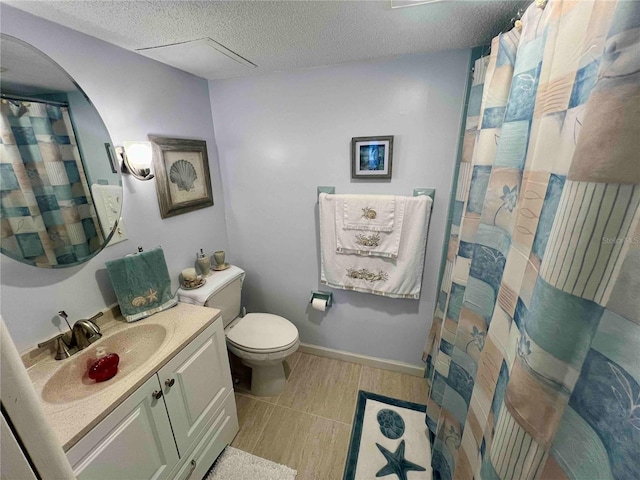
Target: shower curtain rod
x=33 y=99
x=515 y=22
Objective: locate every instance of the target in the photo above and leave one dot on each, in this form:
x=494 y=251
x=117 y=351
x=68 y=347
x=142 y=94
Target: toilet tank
x=227 y=299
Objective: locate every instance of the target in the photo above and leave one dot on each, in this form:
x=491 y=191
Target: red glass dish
x=104 y=368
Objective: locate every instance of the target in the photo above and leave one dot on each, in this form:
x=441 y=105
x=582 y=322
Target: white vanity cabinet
x=134 y=441
x=173 y=426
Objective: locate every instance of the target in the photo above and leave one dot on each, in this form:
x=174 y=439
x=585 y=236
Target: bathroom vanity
x=169 y=411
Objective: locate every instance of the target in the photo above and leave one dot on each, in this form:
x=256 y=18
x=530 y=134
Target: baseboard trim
x=392 y=365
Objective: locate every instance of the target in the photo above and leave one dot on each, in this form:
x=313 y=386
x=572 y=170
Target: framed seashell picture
x=183 y=181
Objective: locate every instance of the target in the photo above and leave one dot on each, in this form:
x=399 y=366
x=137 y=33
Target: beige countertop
x=71 y=420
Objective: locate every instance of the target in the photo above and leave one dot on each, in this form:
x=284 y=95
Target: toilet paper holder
x=327 y=296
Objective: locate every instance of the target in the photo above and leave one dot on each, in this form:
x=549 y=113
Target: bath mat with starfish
x=388 y=440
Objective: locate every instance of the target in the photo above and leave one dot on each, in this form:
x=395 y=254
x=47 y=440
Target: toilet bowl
x=262 y=341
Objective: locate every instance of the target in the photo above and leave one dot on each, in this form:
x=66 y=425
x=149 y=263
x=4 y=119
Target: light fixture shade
x=137 y=158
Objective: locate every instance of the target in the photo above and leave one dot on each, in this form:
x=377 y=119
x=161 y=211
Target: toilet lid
x=263 y=331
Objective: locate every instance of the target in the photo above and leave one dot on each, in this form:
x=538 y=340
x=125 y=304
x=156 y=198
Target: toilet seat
x=263 y=333
x=263 y=350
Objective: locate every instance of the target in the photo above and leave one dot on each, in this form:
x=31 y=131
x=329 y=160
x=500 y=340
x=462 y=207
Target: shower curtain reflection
x=48 y=216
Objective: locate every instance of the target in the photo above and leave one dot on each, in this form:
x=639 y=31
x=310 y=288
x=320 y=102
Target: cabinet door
x=133 y=441
x=13 y=462
x=195 y=384
x=220 y=434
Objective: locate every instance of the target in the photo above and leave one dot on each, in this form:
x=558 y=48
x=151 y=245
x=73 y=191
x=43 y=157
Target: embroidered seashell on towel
x=374 y=243
x=374 y=213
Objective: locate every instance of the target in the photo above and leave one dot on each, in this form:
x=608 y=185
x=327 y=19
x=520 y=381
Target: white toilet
x=261 y=340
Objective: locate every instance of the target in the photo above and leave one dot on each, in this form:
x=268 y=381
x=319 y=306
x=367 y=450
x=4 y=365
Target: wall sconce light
x=136 y=159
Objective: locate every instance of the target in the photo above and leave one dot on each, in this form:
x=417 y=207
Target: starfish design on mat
x=396 y=463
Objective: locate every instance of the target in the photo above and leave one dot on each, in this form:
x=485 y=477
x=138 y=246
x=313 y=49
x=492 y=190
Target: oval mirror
x=60 y=184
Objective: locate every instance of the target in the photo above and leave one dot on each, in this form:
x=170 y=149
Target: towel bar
x=429 y=192
x=326 y=190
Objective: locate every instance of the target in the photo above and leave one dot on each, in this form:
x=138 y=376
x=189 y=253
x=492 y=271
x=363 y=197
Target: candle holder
x=219 y=257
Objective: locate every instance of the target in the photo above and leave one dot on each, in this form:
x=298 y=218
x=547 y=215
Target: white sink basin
x=134 y=346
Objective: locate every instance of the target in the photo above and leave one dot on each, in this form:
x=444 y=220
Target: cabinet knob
x=157 y=394
x=169 y=382
x=193 y=467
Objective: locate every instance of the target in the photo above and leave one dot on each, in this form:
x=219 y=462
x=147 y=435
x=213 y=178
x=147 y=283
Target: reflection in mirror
x=60 y=189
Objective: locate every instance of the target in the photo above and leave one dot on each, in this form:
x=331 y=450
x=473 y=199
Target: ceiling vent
x=204 y=58
x=411 y=3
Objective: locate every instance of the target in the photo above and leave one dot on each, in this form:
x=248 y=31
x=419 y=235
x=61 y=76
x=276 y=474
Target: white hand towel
x=397 y=278
x=108 y=202
x=374 y=213
x=374 y=243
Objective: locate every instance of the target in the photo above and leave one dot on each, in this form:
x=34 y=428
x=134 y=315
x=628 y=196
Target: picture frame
x=183 y=179
x=371 y=157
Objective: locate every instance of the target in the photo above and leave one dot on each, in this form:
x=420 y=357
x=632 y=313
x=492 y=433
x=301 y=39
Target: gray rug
x=234 y=464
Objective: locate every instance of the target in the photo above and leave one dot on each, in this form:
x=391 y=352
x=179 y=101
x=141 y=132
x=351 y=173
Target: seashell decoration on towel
x=369 y=213
x=364 y=274
x=149 y=297
x=139 y=301
x=372 y=240
x=183 y=174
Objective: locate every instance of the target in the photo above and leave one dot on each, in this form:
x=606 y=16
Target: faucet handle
x=62 y=349
x=94 y=318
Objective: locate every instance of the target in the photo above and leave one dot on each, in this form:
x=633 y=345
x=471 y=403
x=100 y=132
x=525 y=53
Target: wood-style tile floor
x=308 y=426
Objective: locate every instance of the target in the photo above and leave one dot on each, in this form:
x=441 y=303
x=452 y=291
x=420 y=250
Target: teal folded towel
x=142 y=284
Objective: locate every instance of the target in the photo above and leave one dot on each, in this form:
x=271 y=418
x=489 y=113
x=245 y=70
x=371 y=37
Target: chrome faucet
x=83 y=334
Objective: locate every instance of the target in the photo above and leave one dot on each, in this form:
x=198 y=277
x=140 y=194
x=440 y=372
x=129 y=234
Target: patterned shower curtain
x=47 y=213
x=533 y=359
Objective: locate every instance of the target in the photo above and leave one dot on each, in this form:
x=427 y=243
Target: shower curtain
x=48 y=217
x=532 y=360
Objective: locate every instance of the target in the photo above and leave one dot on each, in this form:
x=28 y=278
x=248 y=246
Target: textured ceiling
x=285 y=35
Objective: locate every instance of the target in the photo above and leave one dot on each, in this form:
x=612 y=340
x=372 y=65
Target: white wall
x=281 y=135
x=135 y=96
